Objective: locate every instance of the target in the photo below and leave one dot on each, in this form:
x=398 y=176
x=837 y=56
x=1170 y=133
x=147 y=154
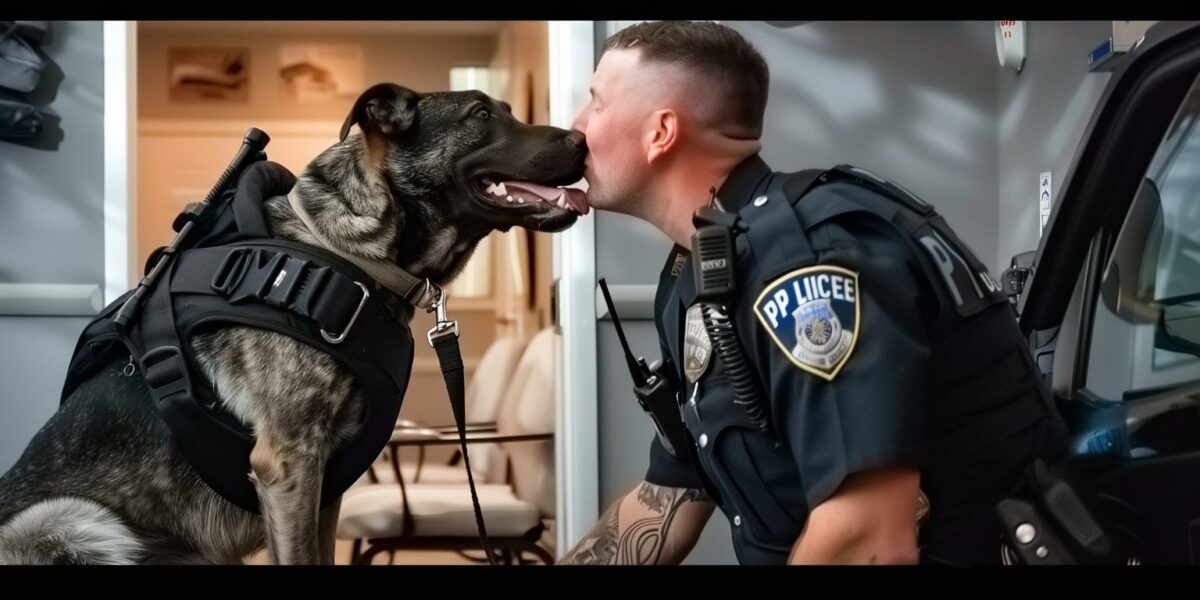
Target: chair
x=482 y=400
x=402 y=515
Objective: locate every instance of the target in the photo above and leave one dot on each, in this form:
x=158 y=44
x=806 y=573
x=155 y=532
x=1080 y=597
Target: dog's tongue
x=573 y=197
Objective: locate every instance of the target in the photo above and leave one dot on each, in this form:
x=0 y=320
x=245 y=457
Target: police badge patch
x=812 y=315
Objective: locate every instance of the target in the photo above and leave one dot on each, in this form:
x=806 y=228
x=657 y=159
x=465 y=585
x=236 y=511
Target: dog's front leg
x=288 y=480
x=299 y=403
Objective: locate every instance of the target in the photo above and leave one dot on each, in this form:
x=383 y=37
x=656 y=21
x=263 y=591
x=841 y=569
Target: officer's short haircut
x=734 y=70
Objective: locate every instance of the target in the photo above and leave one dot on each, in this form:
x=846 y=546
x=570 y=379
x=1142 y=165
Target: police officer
x=853 y=386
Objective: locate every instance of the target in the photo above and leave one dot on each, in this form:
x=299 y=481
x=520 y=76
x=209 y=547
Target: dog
x=422 y=181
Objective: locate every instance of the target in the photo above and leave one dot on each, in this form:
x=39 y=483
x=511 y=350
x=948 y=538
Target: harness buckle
x=166 y=372
x=332 y=339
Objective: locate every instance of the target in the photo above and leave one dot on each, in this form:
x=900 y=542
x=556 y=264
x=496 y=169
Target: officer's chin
x=597 y=198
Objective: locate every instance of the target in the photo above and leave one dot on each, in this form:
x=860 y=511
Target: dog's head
x=464 y=156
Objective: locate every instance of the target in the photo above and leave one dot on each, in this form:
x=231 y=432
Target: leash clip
x=444 y=325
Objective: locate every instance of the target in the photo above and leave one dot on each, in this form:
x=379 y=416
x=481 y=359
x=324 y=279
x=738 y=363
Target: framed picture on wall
x=313 y=73
x=208 y=74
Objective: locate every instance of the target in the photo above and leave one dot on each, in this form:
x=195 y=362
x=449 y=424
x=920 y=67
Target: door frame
x=576 y=448
x=120 y=156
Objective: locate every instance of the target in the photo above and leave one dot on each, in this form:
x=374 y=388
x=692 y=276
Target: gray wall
x=51 y=230
x=914 y=102
x=926 y=104
x=1043 y=112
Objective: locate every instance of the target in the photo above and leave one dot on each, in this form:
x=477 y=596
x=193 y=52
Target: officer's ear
x=385 y=110
x=662 y=132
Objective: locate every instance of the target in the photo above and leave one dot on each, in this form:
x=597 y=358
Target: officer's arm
x=652 y=524
x=871 y=519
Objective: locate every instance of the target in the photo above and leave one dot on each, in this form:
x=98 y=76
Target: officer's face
x=616 y=166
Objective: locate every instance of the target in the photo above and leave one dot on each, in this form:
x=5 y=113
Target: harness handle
x=253 y=144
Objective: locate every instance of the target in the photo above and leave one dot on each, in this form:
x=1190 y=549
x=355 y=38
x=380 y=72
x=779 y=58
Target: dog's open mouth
x=527 y=193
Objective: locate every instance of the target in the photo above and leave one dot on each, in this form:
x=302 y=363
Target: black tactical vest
x=236 y=274
x=754 y=478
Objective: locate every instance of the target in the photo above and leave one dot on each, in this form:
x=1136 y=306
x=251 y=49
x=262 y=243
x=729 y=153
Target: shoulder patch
x=812 y=315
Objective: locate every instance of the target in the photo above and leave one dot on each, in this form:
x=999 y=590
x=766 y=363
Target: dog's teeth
x=500 y=191
x=510 y=198
x=491 y=189
x=520 y=200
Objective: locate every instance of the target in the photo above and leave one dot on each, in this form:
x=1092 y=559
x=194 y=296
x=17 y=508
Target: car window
x=1146 y=328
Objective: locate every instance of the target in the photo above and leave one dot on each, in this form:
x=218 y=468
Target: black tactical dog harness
x=234 y=273
x=224 y=269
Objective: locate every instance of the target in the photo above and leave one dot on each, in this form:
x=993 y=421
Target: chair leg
x=467 y=555
x=355 y=550
x=369 y=555
x=508 y=552
x=540 y=552
x=420 y=463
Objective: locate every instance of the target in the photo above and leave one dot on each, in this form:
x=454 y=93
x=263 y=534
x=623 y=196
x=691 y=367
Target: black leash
x=444 y=340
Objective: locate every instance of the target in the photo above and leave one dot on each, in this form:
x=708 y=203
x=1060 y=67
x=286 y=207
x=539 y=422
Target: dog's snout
x=576 y=139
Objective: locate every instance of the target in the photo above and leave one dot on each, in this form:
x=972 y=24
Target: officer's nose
x=580 y=123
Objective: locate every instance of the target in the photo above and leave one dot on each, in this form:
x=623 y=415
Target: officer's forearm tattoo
x=639 y=541
x=654 y=497
x=599 y=546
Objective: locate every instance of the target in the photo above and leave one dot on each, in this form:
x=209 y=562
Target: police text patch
x=812 y=315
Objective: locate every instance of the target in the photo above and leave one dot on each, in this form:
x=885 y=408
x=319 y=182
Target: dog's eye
x=483 y=114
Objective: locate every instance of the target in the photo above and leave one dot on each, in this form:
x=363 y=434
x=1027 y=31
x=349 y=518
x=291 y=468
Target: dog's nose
x=576 y=139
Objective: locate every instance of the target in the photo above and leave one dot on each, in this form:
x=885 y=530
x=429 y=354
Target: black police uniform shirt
x=865 y=366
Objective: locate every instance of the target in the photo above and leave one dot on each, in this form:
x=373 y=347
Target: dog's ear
x=386 y=109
